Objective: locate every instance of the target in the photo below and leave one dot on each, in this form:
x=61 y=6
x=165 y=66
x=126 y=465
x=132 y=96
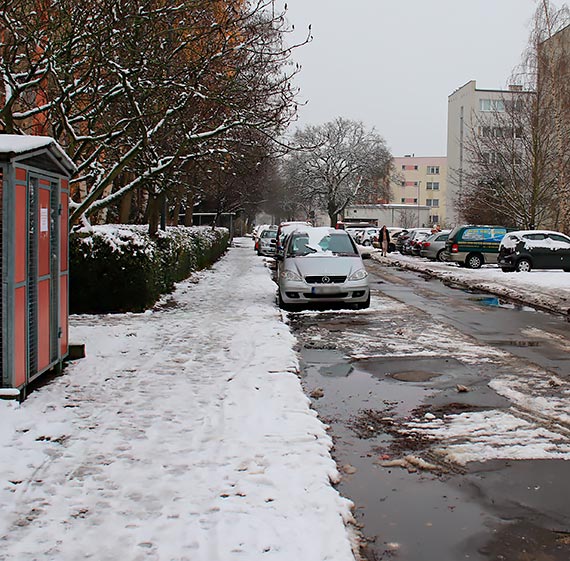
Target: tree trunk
x=153 y=209
x=125 y=208
x=189 y=208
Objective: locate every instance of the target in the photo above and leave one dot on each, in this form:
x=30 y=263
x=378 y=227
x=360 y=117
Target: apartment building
x=422 y=181
x=554 y=90
x=471 y=111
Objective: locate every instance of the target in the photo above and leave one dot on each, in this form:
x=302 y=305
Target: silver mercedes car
x=321 y=265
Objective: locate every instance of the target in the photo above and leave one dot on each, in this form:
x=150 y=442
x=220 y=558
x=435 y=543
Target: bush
x=120 y=268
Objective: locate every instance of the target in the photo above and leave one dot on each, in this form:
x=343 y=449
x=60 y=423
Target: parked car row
x=475 y=245
x=370 y=236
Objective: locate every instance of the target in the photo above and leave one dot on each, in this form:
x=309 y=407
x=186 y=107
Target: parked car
x=401 y=239
x=321 y=265
x=394 y=234
x=267 y=242
x=433 y=247
x=367 y=236
x=285 y=228
x=525 y=250
x=257 y=231
x=415 y=242
x=414 y=235
x=354 y=233
x=473 y=246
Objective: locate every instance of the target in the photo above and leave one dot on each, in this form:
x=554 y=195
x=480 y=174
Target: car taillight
x=426 y=244
x=455 y=248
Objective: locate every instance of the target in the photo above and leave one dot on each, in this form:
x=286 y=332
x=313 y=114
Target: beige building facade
x=422 y=181
x=470 y=110
x=554 y=88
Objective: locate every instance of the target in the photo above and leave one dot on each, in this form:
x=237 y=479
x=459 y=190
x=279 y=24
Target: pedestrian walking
x=384 y=240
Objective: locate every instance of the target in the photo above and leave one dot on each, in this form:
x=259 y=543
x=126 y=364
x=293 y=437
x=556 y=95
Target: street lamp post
x=418 y=203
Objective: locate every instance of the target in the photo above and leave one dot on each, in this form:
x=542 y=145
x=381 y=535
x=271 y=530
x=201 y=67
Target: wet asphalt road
x=372 y=372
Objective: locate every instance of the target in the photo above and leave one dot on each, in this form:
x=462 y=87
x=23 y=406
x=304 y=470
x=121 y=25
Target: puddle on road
x=495 y=302
x=413 y=368
x=341 y=369
x=416 y=517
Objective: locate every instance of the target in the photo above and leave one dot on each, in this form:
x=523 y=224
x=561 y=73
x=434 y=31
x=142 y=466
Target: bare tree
x=337 y=163
x=511 y=176
x=137 y=91
x=518 y=163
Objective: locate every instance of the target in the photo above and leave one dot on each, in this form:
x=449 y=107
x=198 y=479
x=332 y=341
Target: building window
x=496 y=105
x=416 y=168
x=403 y=200
x=434 y=218
x=514 y=105
x=403 y=183
x=432 y=202
x=415 y=201
x=491 y=158
x=433 y=170
x=403 y=167
x=432 y=185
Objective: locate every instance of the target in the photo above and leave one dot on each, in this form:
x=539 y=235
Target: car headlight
x=290 y=275
x=358 y=275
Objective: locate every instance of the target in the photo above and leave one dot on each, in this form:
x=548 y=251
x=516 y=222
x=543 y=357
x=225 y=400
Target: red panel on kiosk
x=44 y=233
x=20 y=233
x=21 y=174
x=20 y=316
x=63 y=315
x=64 y=233
x=43 y=324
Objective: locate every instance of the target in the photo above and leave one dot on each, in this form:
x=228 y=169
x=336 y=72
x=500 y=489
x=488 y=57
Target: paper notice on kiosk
x=44 y=220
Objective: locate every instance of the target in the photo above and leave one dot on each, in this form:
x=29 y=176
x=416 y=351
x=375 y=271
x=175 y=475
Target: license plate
x=324 y=290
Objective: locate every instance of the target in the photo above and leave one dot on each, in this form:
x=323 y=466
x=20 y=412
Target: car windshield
x=319 y=242
x=269 y=234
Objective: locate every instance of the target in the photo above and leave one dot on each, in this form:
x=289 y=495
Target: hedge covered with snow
x=120 y=268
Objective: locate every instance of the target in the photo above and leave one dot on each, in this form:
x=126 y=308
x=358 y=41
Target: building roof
x=17 y=145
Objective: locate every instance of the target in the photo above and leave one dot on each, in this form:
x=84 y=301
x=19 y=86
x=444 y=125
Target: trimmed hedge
x=120 y=268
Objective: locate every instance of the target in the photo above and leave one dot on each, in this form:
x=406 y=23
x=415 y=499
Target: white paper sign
x=44 y=220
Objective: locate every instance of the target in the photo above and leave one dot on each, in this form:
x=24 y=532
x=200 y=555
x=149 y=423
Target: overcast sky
x=393 y=63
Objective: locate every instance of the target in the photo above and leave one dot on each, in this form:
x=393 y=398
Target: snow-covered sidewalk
x=549 y=290
x=184 y=435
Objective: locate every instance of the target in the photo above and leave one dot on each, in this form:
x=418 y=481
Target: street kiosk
x=34 y=237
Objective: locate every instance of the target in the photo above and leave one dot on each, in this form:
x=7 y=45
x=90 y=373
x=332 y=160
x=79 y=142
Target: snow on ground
x=546 y=289
x=492 y=435
x=184 y=435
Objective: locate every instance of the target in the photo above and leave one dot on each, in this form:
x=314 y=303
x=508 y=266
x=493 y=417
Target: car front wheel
x=524 y=266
